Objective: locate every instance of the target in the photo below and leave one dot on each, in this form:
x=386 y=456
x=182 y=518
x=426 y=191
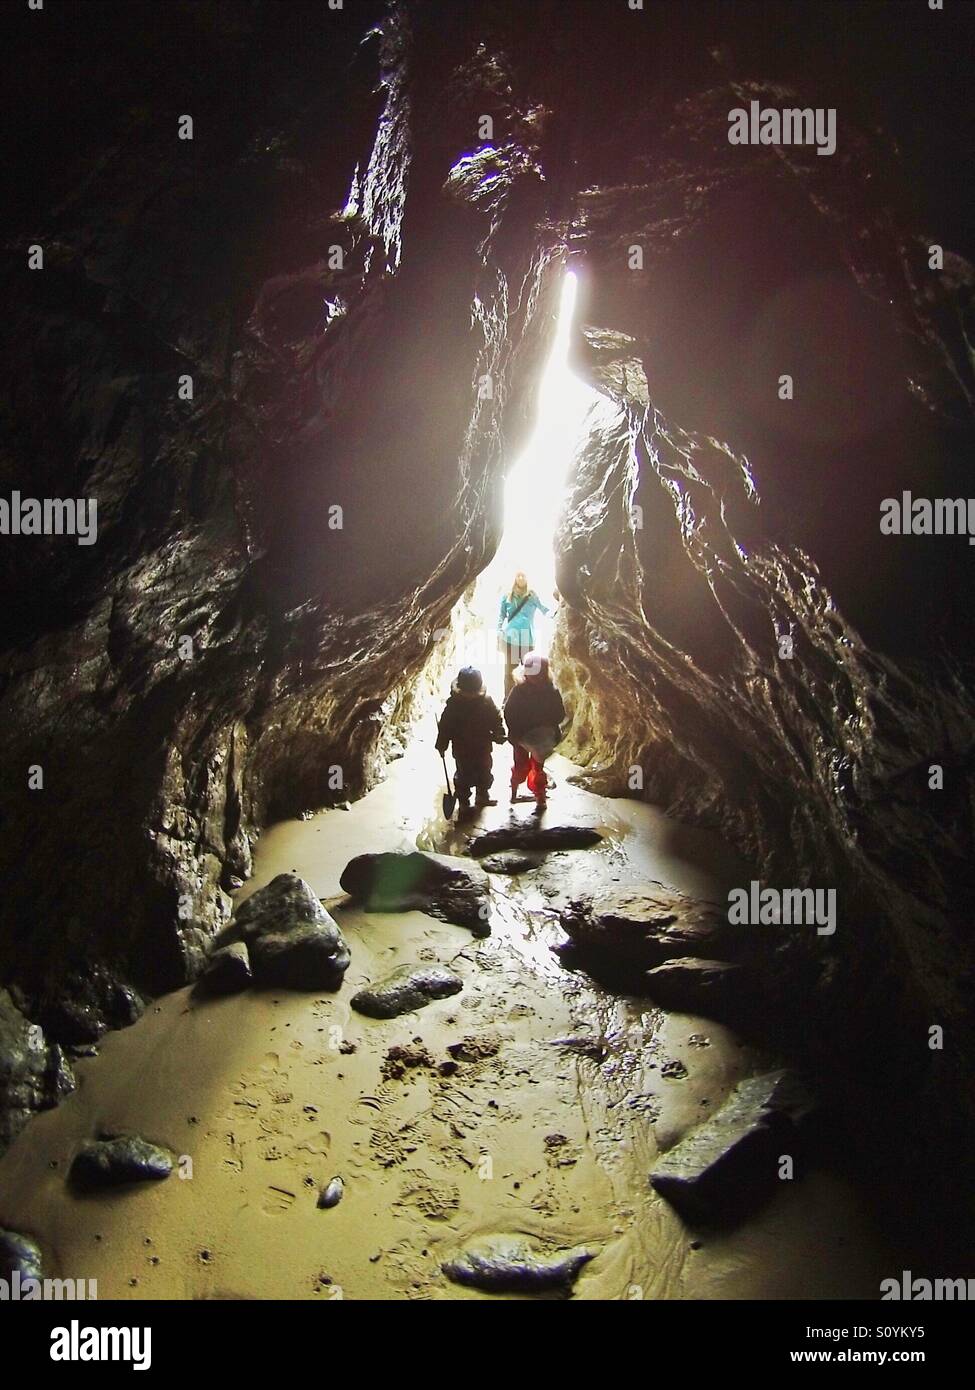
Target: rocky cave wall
x=318 y=386
x=708 y=523
x=224 y=647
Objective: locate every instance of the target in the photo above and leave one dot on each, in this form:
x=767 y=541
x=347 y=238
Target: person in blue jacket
x=515 y=627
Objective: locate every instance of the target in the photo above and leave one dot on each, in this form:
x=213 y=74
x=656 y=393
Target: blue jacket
x=519 y=631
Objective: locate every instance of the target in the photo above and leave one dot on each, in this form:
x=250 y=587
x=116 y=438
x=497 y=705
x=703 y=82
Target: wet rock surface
x=729 y=1164
x=405 y=989
x=290 y=938
x=642 y=926
x=117 y=1162
x=448 y=888
x=19 y=1254
x=509 y=1264
x=78 y=1004
x=511 y=862
x=228 y=970
x=542 y=838
x=34 y=1073
x=714 y=988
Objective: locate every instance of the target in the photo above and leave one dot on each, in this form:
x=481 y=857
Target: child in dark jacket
x=471 y=721
x=534 y=713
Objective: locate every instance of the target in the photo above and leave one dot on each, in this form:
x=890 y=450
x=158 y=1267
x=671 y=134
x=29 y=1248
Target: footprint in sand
x=409 y=1271
x=436 y=1201
x=277 y=1200
x=235 y=1159
x=393 y=1142
x=262 y=1109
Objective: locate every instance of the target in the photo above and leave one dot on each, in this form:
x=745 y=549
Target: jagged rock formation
x=34 y=1072
x=341 y=262
x=222 y=656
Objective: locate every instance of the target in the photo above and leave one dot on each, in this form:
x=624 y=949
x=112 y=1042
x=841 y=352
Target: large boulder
x=729 y=1164
x=118 y=1160
x=34 y=1073
x=509 y=1264
x=291 y=940
x=642 y=927
x=444 y=887
x=406 y=989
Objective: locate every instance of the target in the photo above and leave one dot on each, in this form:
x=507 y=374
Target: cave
x=288 y=286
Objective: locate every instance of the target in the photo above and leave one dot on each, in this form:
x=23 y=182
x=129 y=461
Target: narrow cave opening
x=535 y=489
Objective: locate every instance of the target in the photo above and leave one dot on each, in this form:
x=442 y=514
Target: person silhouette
x=515 y=625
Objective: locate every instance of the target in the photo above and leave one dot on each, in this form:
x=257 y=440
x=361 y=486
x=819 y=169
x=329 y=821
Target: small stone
x=228 y=970
x=115 y=1162
x=19 y=1254
x=331 y=1195
x=508 y=1264
x=408 y=988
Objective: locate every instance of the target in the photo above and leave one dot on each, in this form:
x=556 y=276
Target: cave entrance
x=534 y=493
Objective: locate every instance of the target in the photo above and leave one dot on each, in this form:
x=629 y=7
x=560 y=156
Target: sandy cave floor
x=272 y=1093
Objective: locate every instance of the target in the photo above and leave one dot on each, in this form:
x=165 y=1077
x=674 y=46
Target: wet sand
x=547 y=1128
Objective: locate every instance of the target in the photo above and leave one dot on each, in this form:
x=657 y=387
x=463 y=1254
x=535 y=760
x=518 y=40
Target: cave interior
x=294 y=357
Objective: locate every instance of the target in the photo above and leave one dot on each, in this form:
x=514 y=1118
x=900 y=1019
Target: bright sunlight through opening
x=534 y=494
